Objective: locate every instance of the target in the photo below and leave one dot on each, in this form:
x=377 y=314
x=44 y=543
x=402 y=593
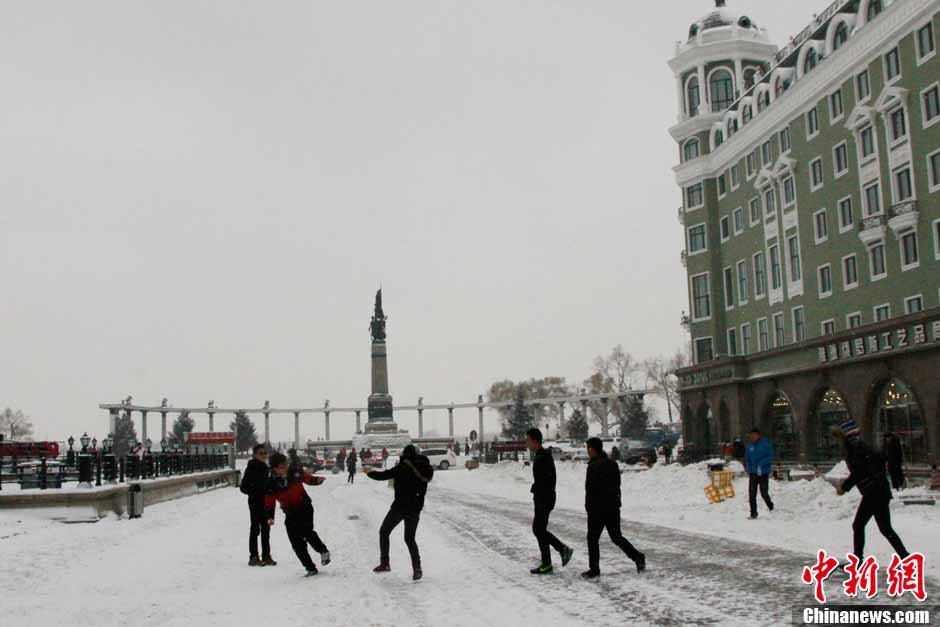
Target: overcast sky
x=198 y=199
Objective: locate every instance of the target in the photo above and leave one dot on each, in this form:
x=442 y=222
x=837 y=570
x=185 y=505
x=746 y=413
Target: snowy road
x=184 y=563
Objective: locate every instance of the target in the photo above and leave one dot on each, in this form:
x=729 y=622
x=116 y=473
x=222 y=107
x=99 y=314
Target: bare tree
x=662 y=380
x=619 y=367
x=16 y=424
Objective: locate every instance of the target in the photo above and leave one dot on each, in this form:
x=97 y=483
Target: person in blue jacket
x=758 y=460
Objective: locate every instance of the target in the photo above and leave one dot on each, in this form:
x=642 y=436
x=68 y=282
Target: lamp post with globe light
x=84 y=463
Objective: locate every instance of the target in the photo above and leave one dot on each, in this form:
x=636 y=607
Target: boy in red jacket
x=288 y=489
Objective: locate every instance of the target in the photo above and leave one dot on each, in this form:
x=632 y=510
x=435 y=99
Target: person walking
x=602 y=503
x=895 y=456
x=411 y=477
x=758 y=461
x=384 y=457
x=254 y=484
x=867 y=473
x=667 y=453
x=351 y=466
x=543 y=497
x=287 y=488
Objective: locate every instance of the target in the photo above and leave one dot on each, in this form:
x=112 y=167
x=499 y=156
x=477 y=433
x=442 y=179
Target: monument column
x=326 y=414
x=162 y=426
x=561 y=417
x=421 y=417
x=604 y=426
x=358 y=421
x=450 y=422
x=584 y=408
x=296 y=429
x=480 y=416
x=143 y=423
x=267 y=422
x=211 y=421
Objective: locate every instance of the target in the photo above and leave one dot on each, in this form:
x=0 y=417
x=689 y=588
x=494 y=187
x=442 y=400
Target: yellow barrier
x=721 y=487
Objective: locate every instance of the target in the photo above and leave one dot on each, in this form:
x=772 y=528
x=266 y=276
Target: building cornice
x=724 y=50
x=693 y=126
x=900 y=16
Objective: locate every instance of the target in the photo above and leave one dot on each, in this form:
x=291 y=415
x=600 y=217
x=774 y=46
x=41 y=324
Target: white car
x=441 y=458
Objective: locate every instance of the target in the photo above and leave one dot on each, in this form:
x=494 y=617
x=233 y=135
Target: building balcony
x=681 y=215
x=684 y=256
x=871 y=229
x=903 y=216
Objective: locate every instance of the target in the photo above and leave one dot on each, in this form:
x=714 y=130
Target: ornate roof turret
x=721 y=17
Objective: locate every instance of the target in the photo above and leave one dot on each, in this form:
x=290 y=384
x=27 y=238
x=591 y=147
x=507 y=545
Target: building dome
x=721 y=17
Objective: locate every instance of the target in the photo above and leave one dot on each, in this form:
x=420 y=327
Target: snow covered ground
x=184 y=562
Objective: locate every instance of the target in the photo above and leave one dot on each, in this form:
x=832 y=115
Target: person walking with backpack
x=758 y=461
x=543 y=497
x=254 y=485
x=602 y=504
x=411 y=477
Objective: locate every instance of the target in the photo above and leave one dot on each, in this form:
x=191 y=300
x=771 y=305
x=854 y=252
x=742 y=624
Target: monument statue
x=377 y=326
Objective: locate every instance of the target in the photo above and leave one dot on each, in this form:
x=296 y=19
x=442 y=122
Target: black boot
x=641 y=563
x=254 y=561
x=591 y=574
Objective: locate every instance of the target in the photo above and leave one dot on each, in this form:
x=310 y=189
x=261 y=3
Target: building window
x=725 y=229
x=829 y=327
x=854 y=320
x=821 y=223
x=769 y=201
x=876 y=261
x=694 y=196
x=812 y=123
x=846 y=219
x=840 y=159
x=914 y=304
x=760 y=273
x=898 y=125
x=750 y=164
x=754 y=207
x=824 y=274
x=866 y=139
x=735 y=176
x=721 y=88
x=936 y=239
x=694 y=96
x=701 y=297
x=873 y=199
x=697 y=241
x=816 y=174
x=785 y=140
x=793 y=245
x=811 y=58
x=692 y=148
x=850 y=272
x=874 y=9
x=746 y=339
x=746 y=114
x=775 y=282
x=789 y=192
x=841 y=36
x=910 y=258
x=925 y=42
x=882 y=312
x=703 y=350
x=930 y=100
x=732 y=342
x=766 y=153
x=780 y=335
x=722 y=185
x=835 y=106
x=729 y=288
x=738 y=220
x=933 y=170
x=892 y=65
x=763 y=335
x=744 y=291
x=862 y=87
x=902 y=185
x=799 y=325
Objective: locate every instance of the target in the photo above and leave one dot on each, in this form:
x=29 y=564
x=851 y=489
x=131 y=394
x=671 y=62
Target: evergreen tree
x=245 y=435
x=123 y=430
x=183 y=424
x=519 y=420
x=635 y=419
x=577 y=427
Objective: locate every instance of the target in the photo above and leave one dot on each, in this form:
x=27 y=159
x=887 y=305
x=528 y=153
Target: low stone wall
x=80 y=504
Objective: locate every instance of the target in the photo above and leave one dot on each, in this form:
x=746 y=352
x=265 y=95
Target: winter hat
x=849 y=428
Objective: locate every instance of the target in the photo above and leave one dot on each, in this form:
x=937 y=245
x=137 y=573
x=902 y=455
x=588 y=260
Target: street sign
x=210 y=437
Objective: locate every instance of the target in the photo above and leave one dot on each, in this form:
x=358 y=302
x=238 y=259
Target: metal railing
x=871 y=222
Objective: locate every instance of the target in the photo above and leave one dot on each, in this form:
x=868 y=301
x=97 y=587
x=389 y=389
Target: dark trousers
x=396 y=515
x=300 y=532
x=543 y=535
x=897 y=478
x=762 y=482
x=597 y=522
x=259 y=526
x=352 y=476
x=879 y=508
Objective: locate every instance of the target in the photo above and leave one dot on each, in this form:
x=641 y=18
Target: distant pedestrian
x=351 y=466
x=895 y=456
x=739 y=450
x=614 y=454
x=411 y=477
x=543 y=496
x=759 y=459
x=340 y=463
x=254 y=484
x=667 y=452
x=457 y=449
x=867 y=472
x=287 y=488
x=384 y=457
x=602 y=503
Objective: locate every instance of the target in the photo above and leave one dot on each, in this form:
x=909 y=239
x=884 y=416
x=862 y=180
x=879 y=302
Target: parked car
x=580 y=456
x=442 y=458
x=635 y=455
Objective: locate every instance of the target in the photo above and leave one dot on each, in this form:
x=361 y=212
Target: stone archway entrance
x=782 y=426
x=897 y=411
x=830 y=411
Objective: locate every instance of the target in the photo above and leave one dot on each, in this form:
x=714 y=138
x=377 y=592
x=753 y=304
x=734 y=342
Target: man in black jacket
x=543 y=495
x=867 y=473
x=602 y=503
x=411 y=476
x=895 y=456
x=255 y=485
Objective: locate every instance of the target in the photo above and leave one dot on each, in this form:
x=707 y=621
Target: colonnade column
x=143 y=425
x=480 y=415
x=358 y=421
x=561 y=417
x=450 y=422
x=703 y=95
x=421 y=417
x=297 y=430
x=605 y=429
x=326 y=415
x=162 y=426
x=267 y=428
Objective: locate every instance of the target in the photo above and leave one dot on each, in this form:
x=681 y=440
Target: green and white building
x=810 y=179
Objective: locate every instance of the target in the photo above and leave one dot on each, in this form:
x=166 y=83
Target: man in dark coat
x=255 y=485
x=543 y=496
x=867 y=473
x=602 y=503
x=411 y=476
x=895 y=456
x=351 y=466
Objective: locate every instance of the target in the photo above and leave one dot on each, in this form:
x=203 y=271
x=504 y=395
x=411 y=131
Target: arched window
x=832 y=410
x=783 y=428
x=811 y=59
x=693 y=96
x=874 y=9
x=746 y=114
x=691 y=150
x=780 y=86
x=721 y=88
x=732 y=126
x=749 y=75
x=719 y=138
x=899 y=413
x=841 y=36
x=763 y=100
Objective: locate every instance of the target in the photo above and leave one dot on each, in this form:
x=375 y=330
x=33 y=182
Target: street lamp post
x=84 y=463
x=70 y=456
x=110 y=465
